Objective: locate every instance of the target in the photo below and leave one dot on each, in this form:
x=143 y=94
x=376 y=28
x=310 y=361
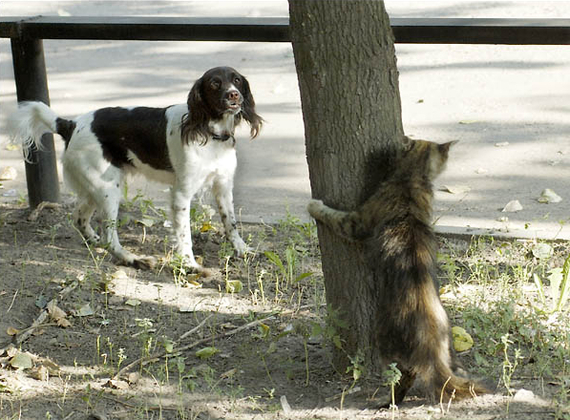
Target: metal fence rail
x=27 y=33
x=268 y=29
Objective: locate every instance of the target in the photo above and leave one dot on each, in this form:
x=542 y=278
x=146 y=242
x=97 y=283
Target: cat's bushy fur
x=395 y=222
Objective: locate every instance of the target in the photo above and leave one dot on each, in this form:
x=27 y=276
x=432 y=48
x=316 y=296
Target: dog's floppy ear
x=195 y=123
x=248 y=110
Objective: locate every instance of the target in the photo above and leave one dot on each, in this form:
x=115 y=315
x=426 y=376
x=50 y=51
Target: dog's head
x=220 y=91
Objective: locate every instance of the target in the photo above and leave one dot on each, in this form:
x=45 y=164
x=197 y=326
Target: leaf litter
x=261 y=334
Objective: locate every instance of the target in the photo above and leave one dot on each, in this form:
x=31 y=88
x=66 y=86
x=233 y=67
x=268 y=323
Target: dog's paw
x=203 y=271
x=192 y=266
x=242 y=252
x=94 y=240
x=240 y=246
x=315 y=207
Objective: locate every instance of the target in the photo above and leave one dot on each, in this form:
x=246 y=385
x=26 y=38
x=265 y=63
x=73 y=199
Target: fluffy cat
x=395 y=223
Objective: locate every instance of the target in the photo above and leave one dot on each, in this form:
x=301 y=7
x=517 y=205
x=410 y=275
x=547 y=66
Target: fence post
x=31 y=85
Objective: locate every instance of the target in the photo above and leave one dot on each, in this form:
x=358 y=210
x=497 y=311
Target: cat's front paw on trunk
x=315 y=207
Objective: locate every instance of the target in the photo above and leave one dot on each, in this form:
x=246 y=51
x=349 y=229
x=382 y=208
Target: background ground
x=484 y=96
x=254 y=340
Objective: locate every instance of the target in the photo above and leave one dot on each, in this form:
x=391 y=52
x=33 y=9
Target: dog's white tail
x=29 y=123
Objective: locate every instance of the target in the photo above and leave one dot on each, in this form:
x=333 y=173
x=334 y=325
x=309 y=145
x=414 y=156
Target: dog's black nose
x=233 y=95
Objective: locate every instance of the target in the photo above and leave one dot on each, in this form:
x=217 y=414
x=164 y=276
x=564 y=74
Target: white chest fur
x=198 y=163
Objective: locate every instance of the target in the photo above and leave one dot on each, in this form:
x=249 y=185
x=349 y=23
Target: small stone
x=512 y=206
x=523 y=395
x=8 y=174
x=549 y=196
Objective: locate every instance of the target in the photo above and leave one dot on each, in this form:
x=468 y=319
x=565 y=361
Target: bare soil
x=163 y=344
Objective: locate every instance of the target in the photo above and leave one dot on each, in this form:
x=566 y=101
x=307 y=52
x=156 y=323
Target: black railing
x=27 y=33
x=266 y=29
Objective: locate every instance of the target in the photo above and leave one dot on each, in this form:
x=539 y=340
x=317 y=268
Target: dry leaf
x=456 y=189
x=193 y=284
x=57 y=314
x=206 y=352
x=21 y=361
x=116 y=384
x=133 y=302
x=41 y=373
x=206 y=227
x=51 y=366
x=8 y=174
x=11 y=331
x=62 y=322
x=285 y=405
x=133 y=377
x=146 y=221
x=234 y=286
x=228 y=374
x=462 y=341
x=119 y=274
x=11 y=351
x=543 y=251
x=84 y=310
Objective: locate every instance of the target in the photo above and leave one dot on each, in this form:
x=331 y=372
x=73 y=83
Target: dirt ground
x=119 y=343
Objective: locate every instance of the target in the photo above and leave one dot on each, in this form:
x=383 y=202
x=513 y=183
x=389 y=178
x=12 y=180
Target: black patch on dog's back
x=65 y=129
x=140 y=130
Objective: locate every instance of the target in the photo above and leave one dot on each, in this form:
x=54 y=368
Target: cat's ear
x=438 y=160
x=444 y=147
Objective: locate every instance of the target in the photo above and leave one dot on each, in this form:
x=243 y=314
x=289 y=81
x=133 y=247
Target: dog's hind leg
x=110 y=210
x=82 y=219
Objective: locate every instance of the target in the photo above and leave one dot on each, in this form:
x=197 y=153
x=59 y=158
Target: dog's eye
x=215 y=84
x=237 y=81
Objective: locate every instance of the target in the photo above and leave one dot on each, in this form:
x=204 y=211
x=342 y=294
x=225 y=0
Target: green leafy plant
x=559 y=290
x=391 y=377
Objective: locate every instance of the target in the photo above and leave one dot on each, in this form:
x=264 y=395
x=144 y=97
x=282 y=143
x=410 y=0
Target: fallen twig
x=43 y=205
x=196 y=328
x=343 y=394
x=12 y=303
x=158 y=355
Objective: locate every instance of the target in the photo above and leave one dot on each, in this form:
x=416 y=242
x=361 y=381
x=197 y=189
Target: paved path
x=509 y=106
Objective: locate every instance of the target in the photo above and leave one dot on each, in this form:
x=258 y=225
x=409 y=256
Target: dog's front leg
x=222 y=189
x=180 y=207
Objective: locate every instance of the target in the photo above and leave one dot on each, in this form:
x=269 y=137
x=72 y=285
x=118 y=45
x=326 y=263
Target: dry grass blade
x=158 y=355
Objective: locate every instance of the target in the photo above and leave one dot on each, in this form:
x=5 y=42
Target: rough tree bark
x=346 y=65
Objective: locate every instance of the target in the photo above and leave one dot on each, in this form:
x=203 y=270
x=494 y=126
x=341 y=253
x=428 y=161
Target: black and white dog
x=188 y=146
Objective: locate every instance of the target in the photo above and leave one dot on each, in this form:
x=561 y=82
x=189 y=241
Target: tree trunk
x=346 y=65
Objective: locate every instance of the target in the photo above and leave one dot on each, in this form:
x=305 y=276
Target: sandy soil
x=81 y=362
